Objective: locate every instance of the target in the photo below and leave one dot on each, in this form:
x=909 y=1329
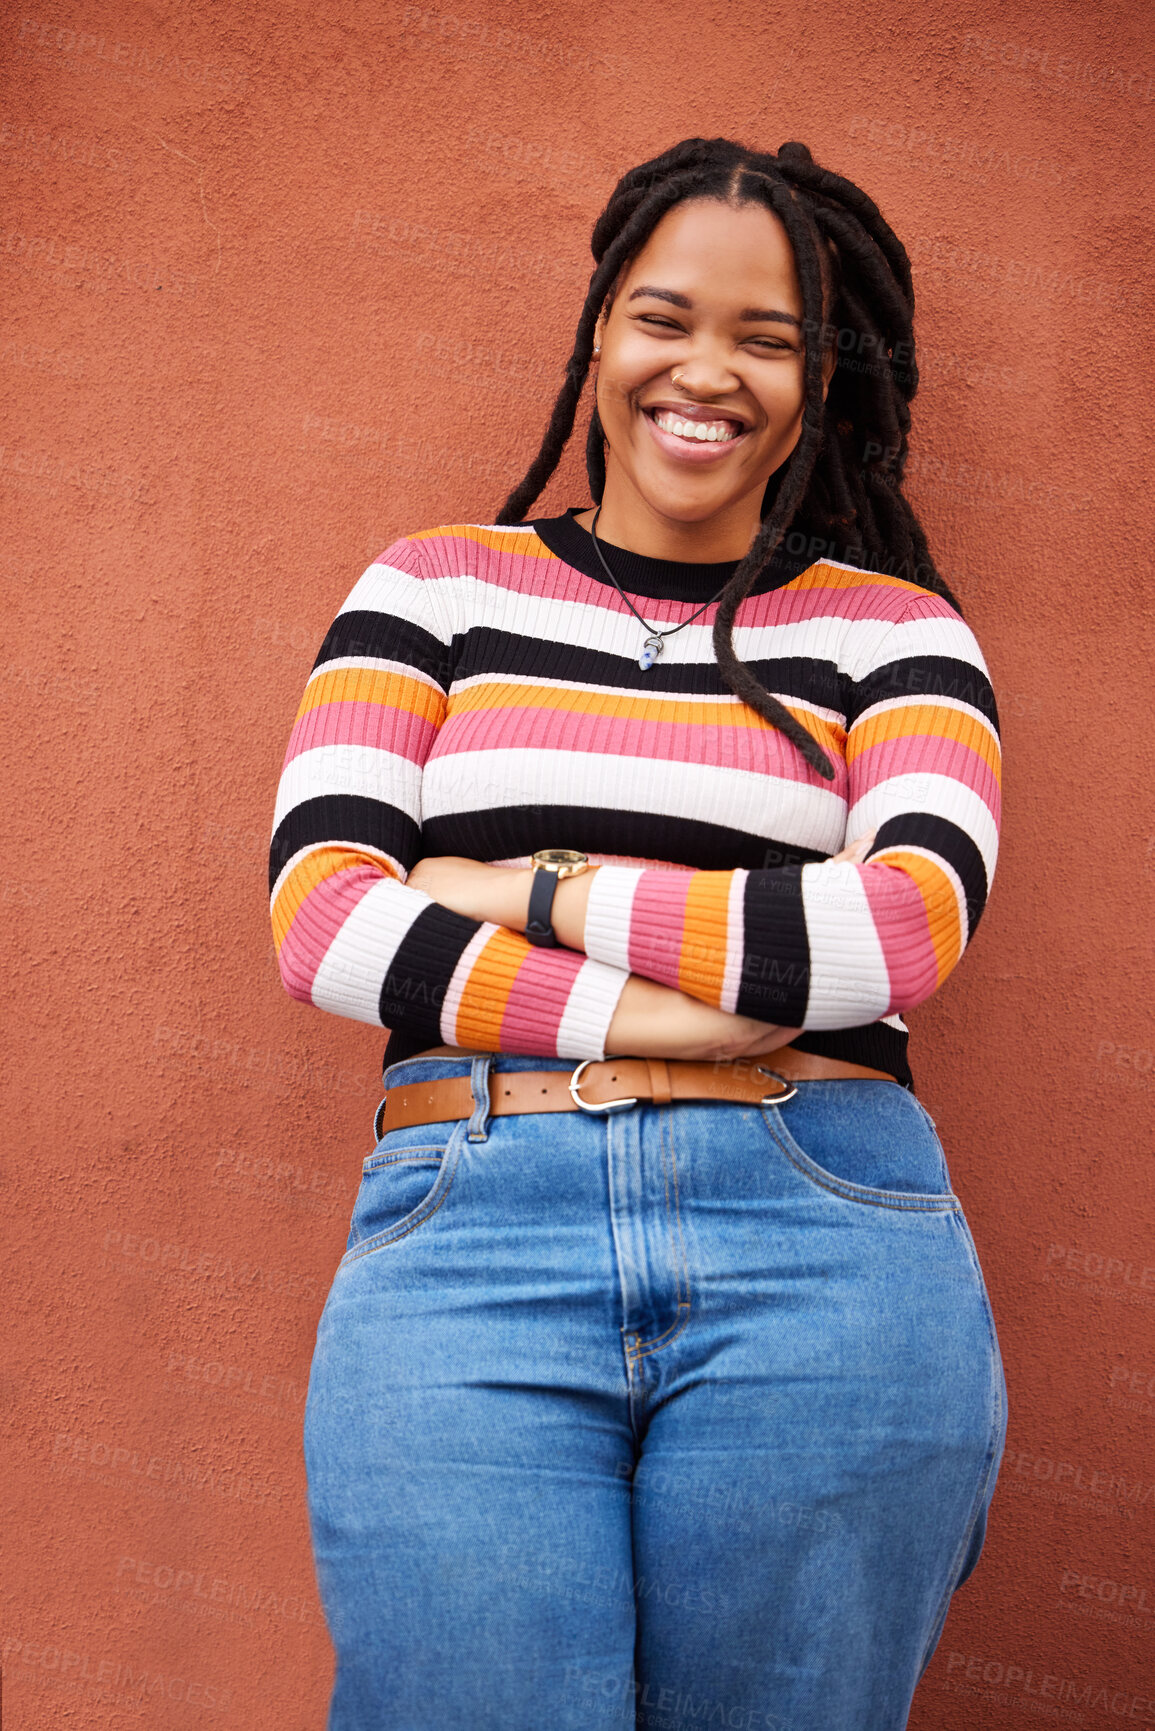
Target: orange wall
x=283 y=283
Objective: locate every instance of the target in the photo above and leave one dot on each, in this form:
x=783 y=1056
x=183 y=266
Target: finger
x=857 y=850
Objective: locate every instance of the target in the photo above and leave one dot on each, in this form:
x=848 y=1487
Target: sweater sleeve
x=823 y=946
x=351 y=937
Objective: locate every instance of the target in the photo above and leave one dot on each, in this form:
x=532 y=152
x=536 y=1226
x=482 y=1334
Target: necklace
x=655 y=641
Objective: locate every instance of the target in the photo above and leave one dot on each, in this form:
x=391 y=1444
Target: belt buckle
x=588 y=1106
x=777 y=1099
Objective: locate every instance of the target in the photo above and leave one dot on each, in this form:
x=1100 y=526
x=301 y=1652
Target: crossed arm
x=651 y=1020
x=659 y=963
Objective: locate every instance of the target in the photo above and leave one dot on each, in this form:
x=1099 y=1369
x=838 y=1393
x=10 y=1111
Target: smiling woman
x=643 y=891
x=733 y=352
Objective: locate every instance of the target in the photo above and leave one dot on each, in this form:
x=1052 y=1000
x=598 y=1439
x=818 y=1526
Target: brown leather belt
x=609 y=1084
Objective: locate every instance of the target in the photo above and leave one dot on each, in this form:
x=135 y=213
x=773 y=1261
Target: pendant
x=653 y=648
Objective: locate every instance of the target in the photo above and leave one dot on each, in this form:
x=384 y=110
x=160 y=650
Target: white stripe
x=609 y=912
x=849 y=983
x=746 y=800
x=364 y=770
x=950 y=637
x=939 y=795
x=597 y=624
x=348 y=981
x=589 y=1010
x=459 y=979
x=735 y=926
x=386 y=589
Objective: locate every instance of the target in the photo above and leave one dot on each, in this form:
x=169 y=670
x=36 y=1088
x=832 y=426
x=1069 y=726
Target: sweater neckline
x=659 y=579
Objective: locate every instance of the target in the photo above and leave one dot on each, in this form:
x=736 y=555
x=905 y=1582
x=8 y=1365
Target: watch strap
x=538 y=926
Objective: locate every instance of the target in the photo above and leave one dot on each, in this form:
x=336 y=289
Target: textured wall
x=282 y=283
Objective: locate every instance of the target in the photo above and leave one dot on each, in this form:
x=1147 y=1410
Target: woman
x=660 y=1389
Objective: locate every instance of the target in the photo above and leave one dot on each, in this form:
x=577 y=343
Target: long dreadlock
x=844 y=476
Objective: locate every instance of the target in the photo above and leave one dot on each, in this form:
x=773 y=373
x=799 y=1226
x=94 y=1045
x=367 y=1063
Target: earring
x=597 y=350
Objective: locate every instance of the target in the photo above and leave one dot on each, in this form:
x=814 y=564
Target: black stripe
x=384 y=637
x=640 y=574
x=509 y=832
x=926 y=676
x=485 y=649
x=875 y=1044
x=775 y=983
x=344 y=817
x=413 y=989
x=952 y=844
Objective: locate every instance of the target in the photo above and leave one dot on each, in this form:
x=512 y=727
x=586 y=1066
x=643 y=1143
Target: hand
x=653 y=1021
x=855 y=850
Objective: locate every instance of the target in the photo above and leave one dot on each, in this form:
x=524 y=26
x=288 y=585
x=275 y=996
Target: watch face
x=558 y=856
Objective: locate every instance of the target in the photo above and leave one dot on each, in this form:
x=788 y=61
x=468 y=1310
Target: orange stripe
x=487 y=990
x=702 y=962
x=307 y=874
x=827 y=577
x=509 y=694
x=500 y=540
x=939 y=898
x=372 y=685
x=932 y=720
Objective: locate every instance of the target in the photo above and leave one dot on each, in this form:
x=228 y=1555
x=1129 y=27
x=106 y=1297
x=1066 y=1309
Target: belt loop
x=660 y=1091
x=479 y=1081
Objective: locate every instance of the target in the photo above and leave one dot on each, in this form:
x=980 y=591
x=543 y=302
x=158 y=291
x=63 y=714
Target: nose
x=705 y=373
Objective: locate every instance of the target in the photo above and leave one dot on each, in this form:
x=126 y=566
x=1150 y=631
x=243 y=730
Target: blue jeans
x=676 y=1417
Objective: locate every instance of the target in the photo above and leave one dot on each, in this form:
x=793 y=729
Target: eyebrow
x=753 y=314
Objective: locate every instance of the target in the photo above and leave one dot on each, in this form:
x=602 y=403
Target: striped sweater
x=479 y=694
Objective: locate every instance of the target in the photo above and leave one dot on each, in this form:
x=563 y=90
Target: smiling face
x=714 y=297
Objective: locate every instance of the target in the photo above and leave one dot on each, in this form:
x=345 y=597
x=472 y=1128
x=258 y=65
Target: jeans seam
x=864 y=1195
x=998 y=1414
x=369 y=1246
x=665 y=1127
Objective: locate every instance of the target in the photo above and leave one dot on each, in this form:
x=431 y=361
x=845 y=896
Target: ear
x=600 y=329
x=829 y=362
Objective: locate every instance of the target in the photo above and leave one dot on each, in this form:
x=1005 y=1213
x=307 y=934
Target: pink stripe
x=759 y=750
x=658 y=924
x=920 y=754
x=537 y=1001
x=899 y=915
x=373 y=724
x=883 y=601
x=550 y=577
x=318 y=920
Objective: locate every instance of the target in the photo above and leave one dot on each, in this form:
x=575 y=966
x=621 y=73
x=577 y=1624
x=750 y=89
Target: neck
x=631 y=521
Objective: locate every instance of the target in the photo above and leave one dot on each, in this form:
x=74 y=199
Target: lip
x=705 y=451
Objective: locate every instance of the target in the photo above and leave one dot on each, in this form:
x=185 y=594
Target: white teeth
x=712 y=431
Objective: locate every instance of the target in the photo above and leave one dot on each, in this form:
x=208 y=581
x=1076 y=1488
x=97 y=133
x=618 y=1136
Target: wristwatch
x=550 y=865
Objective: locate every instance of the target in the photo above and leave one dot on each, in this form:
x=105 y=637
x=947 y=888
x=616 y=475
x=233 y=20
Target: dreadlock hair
x=844 y=477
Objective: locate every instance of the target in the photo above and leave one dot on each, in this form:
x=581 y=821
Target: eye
x=652 y=319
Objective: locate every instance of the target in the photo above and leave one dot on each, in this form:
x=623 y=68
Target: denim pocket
x=403 y=1183
x=868 y=1142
